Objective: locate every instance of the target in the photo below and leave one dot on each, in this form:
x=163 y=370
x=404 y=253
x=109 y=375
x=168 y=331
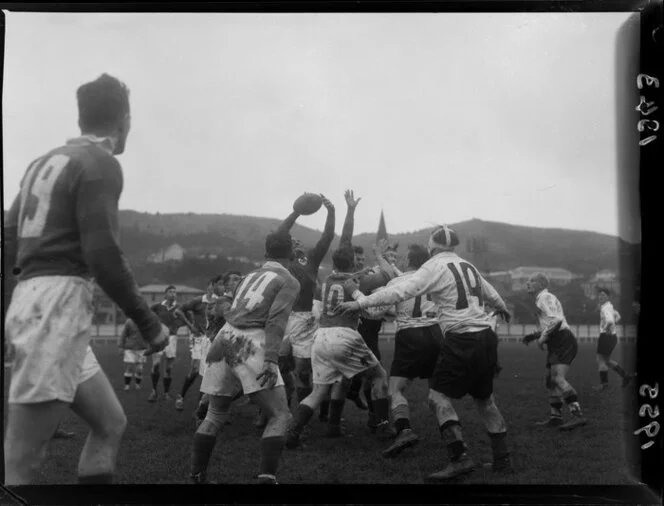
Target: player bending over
x=171 y=315
x=608 y=339
x=467 y=358
x=61 y=232
x=133 y=349
x=562 y=348
x=197 y=309
x=244 y=356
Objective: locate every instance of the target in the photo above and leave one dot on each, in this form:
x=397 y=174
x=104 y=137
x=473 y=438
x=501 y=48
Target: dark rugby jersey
x=218 y=317
x=201 y=307
x=64 y=222
x=169 y=315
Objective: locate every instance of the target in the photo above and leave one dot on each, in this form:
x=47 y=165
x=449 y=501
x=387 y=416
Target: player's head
x=231 y=281
x=103 y=110
x=442 y=238
x=279 y=246
x=343 y=259
x=603 y=295
x=299 y=253
x=358 y=254
x=217 y=284
x=171 y=293
x=536 y=283
x=417 y=256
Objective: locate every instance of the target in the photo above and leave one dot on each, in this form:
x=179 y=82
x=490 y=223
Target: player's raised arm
x=288 y=223
x=494 y=299
x=319 y=251
x=275 y=325
x=97 y=194
x=385 y=266
x=349 y=222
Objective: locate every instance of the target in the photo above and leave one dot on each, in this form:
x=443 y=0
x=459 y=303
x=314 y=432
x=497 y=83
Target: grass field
x=157 y=444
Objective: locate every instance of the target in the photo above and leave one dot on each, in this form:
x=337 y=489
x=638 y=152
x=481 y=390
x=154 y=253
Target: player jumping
x=60 y=232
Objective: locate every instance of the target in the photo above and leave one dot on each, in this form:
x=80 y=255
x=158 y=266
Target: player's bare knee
x=442 y=407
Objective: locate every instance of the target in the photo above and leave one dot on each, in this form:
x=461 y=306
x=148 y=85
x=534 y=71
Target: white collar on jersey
x=105 y=143
x=165 y=303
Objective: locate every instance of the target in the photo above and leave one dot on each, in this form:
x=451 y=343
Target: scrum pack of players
x=260 y=336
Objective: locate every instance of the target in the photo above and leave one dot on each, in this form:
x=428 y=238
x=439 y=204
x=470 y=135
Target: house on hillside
x=557 y=276
x=155 y=293
x=602 y=279
x=172 y=253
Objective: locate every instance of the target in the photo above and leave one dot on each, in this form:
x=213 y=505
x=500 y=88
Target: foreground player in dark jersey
x=60 y=232
x=244 y=355
x=301 y=323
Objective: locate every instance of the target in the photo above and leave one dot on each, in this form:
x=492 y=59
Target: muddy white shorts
x=169 y=351
x=205 y=347
x=300 y=333
x=244 y=357
x=196 y=346
x=48 y=324
x=339 y=352
x=134 y=357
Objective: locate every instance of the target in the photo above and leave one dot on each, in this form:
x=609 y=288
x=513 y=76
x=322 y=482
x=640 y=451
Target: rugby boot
x=179 y=403
x=406 y=439
x=501 y=465
x=153 y=396
x=266 y=479
x=553 y=421
x=385 y=431
x=576 y=421
x=461 y=466
x=292 y=440
x=199 y=478
x=372 y=423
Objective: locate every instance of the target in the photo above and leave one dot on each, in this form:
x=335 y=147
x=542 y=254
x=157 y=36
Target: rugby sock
x=324 y=410
x=187 y=383
x=556 y=404
x=302 y=416
x=155 y=380
x=127 y=378
x=498 y=445
x=367 y=395
x=96 y=479
x=450 y=431
x=138 y=378
x=618 y=370
x=271 y=448
x=604 y=377
x=203 y=446
x=401 y=417
x=167 y=384
x=382 y=409
x=336 y=407
x=302 y=393
x=572 y=402
x=289 y=385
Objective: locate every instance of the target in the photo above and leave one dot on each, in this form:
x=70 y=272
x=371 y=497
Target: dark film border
x=638 y=51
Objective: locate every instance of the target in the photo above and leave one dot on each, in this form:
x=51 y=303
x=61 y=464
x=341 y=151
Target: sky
x=432 y=118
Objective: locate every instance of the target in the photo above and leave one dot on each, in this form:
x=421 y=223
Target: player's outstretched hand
x=346 y=307
x=158 y=343
x=351 y=201
x=269 y=375
x=529 y=338
x=328 y=205
x=504 y=314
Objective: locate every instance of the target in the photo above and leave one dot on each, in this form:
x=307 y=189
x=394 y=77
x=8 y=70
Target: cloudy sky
x=434 y=118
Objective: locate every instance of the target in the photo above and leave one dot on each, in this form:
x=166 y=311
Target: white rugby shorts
x=196 y=346
x=244 y=357
x=300 y=332
x=135 y=357
x=205 y=347
x=169 y=351
x=339 y=352
x=48 y=325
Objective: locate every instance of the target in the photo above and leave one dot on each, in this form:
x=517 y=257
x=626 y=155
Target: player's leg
x=617 y=368
x=168 y=370
x=497 y=429
x=303 y=385
x=138 y=373
x=128 y=372
x=192 y=376
x=354 y=391
x=401 y=415
x=609 y=346
x=205 y=437
x=569 y=395
x=29 y=430
x=305 y=411
x=555 y=402
x=336 y=399
x=603 y=369
x=155 y=370
x=274 y=404
x=381 y=404
x=96 y=403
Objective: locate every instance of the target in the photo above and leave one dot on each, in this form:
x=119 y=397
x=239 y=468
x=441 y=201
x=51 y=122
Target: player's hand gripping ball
x=307 y=203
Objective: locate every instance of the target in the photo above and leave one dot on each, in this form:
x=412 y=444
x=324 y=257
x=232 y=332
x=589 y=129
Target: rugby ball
x=308 y=203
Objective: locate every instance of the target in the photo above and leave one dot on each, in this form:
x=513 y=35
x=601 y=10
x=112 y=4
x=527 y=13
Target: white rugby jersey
x=457 y=290
x=549 y=311
x=608 y=318
x=409 y=313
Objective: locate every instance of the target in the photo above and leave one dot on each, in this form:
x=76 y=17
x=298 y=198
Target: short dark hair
x=228 y=275
x=605 y=291
x=417 y=255
x=358 y=249
x=102 y=103
x=279 y=245
x=170 y=287
x=215 y=279
x=343 y=259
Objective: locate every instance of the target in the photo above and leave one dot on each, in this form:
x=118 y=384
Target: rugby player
x=554 y=332
x=197 y=309
x=467 y=357
x=339 y=351
x=133 y=349
x=244 y=356
x=60 y=232
x=171 y=315
x=302 y=323
x=608 y=339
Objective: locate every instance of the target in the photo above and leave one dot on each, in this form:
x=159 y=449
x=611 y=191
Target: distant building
x=602 y=279
x=155 y=293
x=557 y=276
x=172 y=253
